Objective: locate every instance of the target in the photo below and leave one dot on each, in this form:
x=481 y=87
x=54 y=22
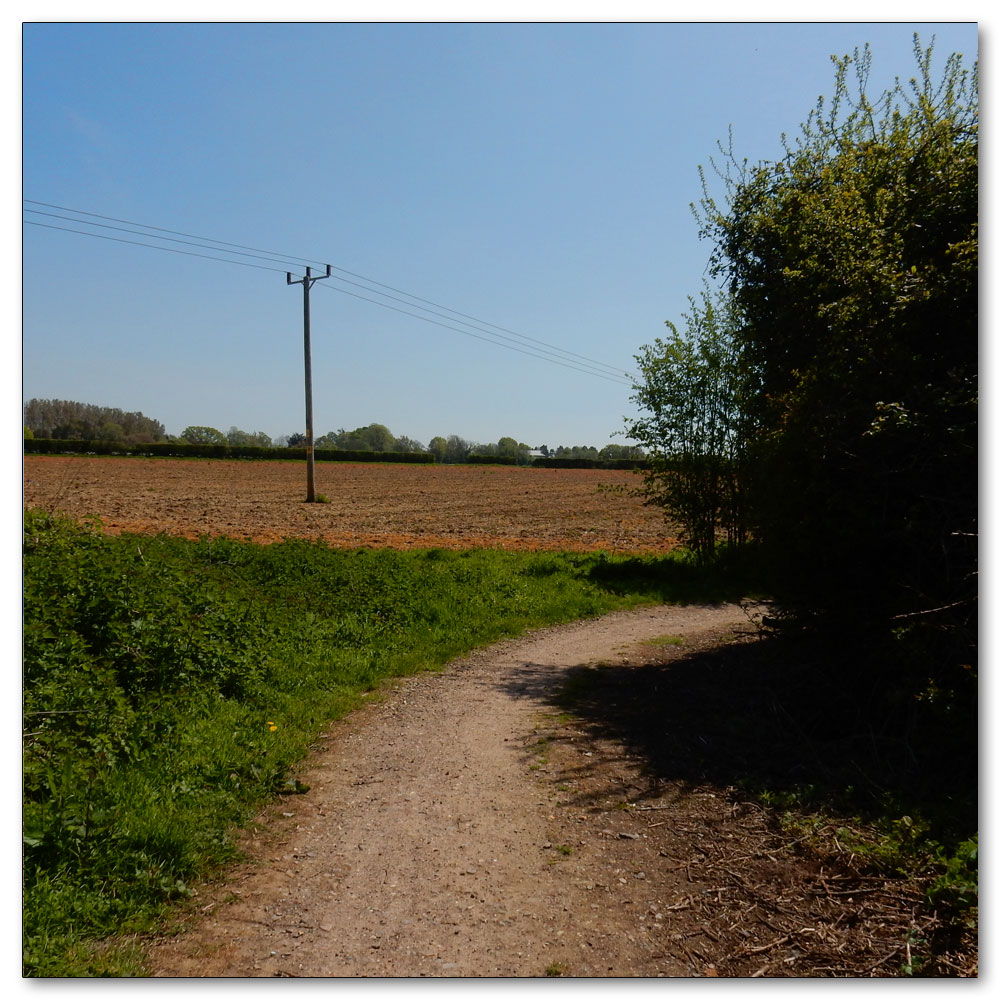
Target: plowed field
x=402 y=506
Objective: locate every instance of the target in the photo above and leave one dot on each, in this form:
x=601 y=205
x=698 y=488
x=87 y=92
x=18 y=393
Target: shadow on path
x=774 y=715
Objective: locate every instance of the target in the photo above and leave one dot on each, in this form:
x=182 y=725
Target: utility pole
x=307 y=283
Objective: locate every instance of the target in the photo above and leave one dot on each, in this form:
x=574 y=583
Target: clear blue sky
x=535 y=176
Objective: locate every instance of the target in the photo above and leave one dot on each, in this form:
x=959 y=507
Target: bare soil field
x=402 y=506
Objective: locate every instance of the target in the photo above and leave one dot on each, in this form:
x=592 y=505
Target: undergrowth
x=170 y=686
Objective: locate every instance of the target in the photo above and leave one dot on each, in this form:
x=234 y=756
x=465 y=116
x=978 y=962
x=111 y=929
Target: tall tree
x=854 y=262
x=457 y=449
x=373 y=437
x=203 y=435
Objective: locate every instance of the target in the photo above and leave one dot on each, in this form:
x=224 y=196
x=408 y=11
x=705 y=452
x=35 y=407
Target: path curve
x=429 y=843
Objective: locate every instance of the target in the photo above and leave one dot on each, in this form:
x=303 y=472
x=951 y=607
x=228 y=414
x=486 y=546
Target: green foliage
x=203 y=435
x=576 y=451
x=170 y=685
x=958 y=886
x=621 y=452
x=374 y=437
x=452 y=449
x=507 y=451
x=590 y=463
x=181 y=449
x=854 y=264
x=64 y=418
x=694 y=426
x=241 y=438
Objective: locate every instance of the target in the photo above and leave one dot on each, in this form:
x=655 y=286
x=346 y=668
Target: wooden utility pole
x=307 y=283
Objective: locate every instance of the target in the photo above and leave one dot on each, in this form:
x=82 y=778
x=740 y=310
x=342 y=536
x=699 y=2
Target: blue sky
x=535 y=176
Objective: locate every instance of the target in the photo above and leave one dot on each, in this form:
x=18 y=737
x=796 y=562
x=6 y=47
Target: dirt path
x=562 y=804
x=440 y=838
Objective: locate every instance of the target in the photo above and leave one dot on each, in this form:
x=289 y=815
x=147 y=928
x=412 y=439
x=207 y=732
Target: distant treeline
x=181 y=449
x=65 y=419
x=57 y=425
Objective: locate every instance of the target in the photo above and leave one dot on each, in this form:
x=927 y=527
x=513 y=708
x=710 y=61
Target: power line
x=160 y=229
x=344 y=291
x=152 y=246
x=543 y=355
x=286 y=257
x=522 y=348
x=168 y=239
x=510 y=347
x=586 y=367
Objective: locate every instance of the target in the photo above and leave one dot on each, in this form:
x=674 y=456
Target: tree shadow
x=674 y=579
x=786 y=717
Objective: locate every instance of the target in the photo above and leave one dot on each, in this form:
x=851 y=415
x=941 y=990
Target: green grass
x=665 y=640
x=170 y=686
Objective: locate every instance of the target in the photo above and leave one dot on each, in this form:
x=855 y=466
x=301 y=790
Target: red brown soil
x=402 y=506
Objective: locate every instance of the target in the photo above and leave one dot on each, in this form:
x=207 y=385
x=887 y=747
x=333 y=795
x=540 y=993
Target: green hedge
x=490 y=460
x=175 y=449
x=590 y=463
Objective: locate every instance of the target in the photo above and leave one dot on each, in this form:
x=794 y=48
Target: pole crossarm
x=310 y=277
x=307 y=282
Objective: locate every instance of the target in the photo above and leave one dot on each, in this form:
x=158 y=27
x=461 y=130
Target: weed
x=555 y=969
x=665 y=640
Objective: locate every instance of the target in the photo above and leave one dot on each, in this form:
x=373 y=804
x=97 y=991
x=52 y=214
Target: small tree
x=110 y=431
x=694 y=428
x=438 y=447
x=507 y=447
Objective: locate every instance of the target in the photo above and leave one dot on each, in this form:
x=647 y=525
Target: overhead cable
x=272 y=254
x=543 y=352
